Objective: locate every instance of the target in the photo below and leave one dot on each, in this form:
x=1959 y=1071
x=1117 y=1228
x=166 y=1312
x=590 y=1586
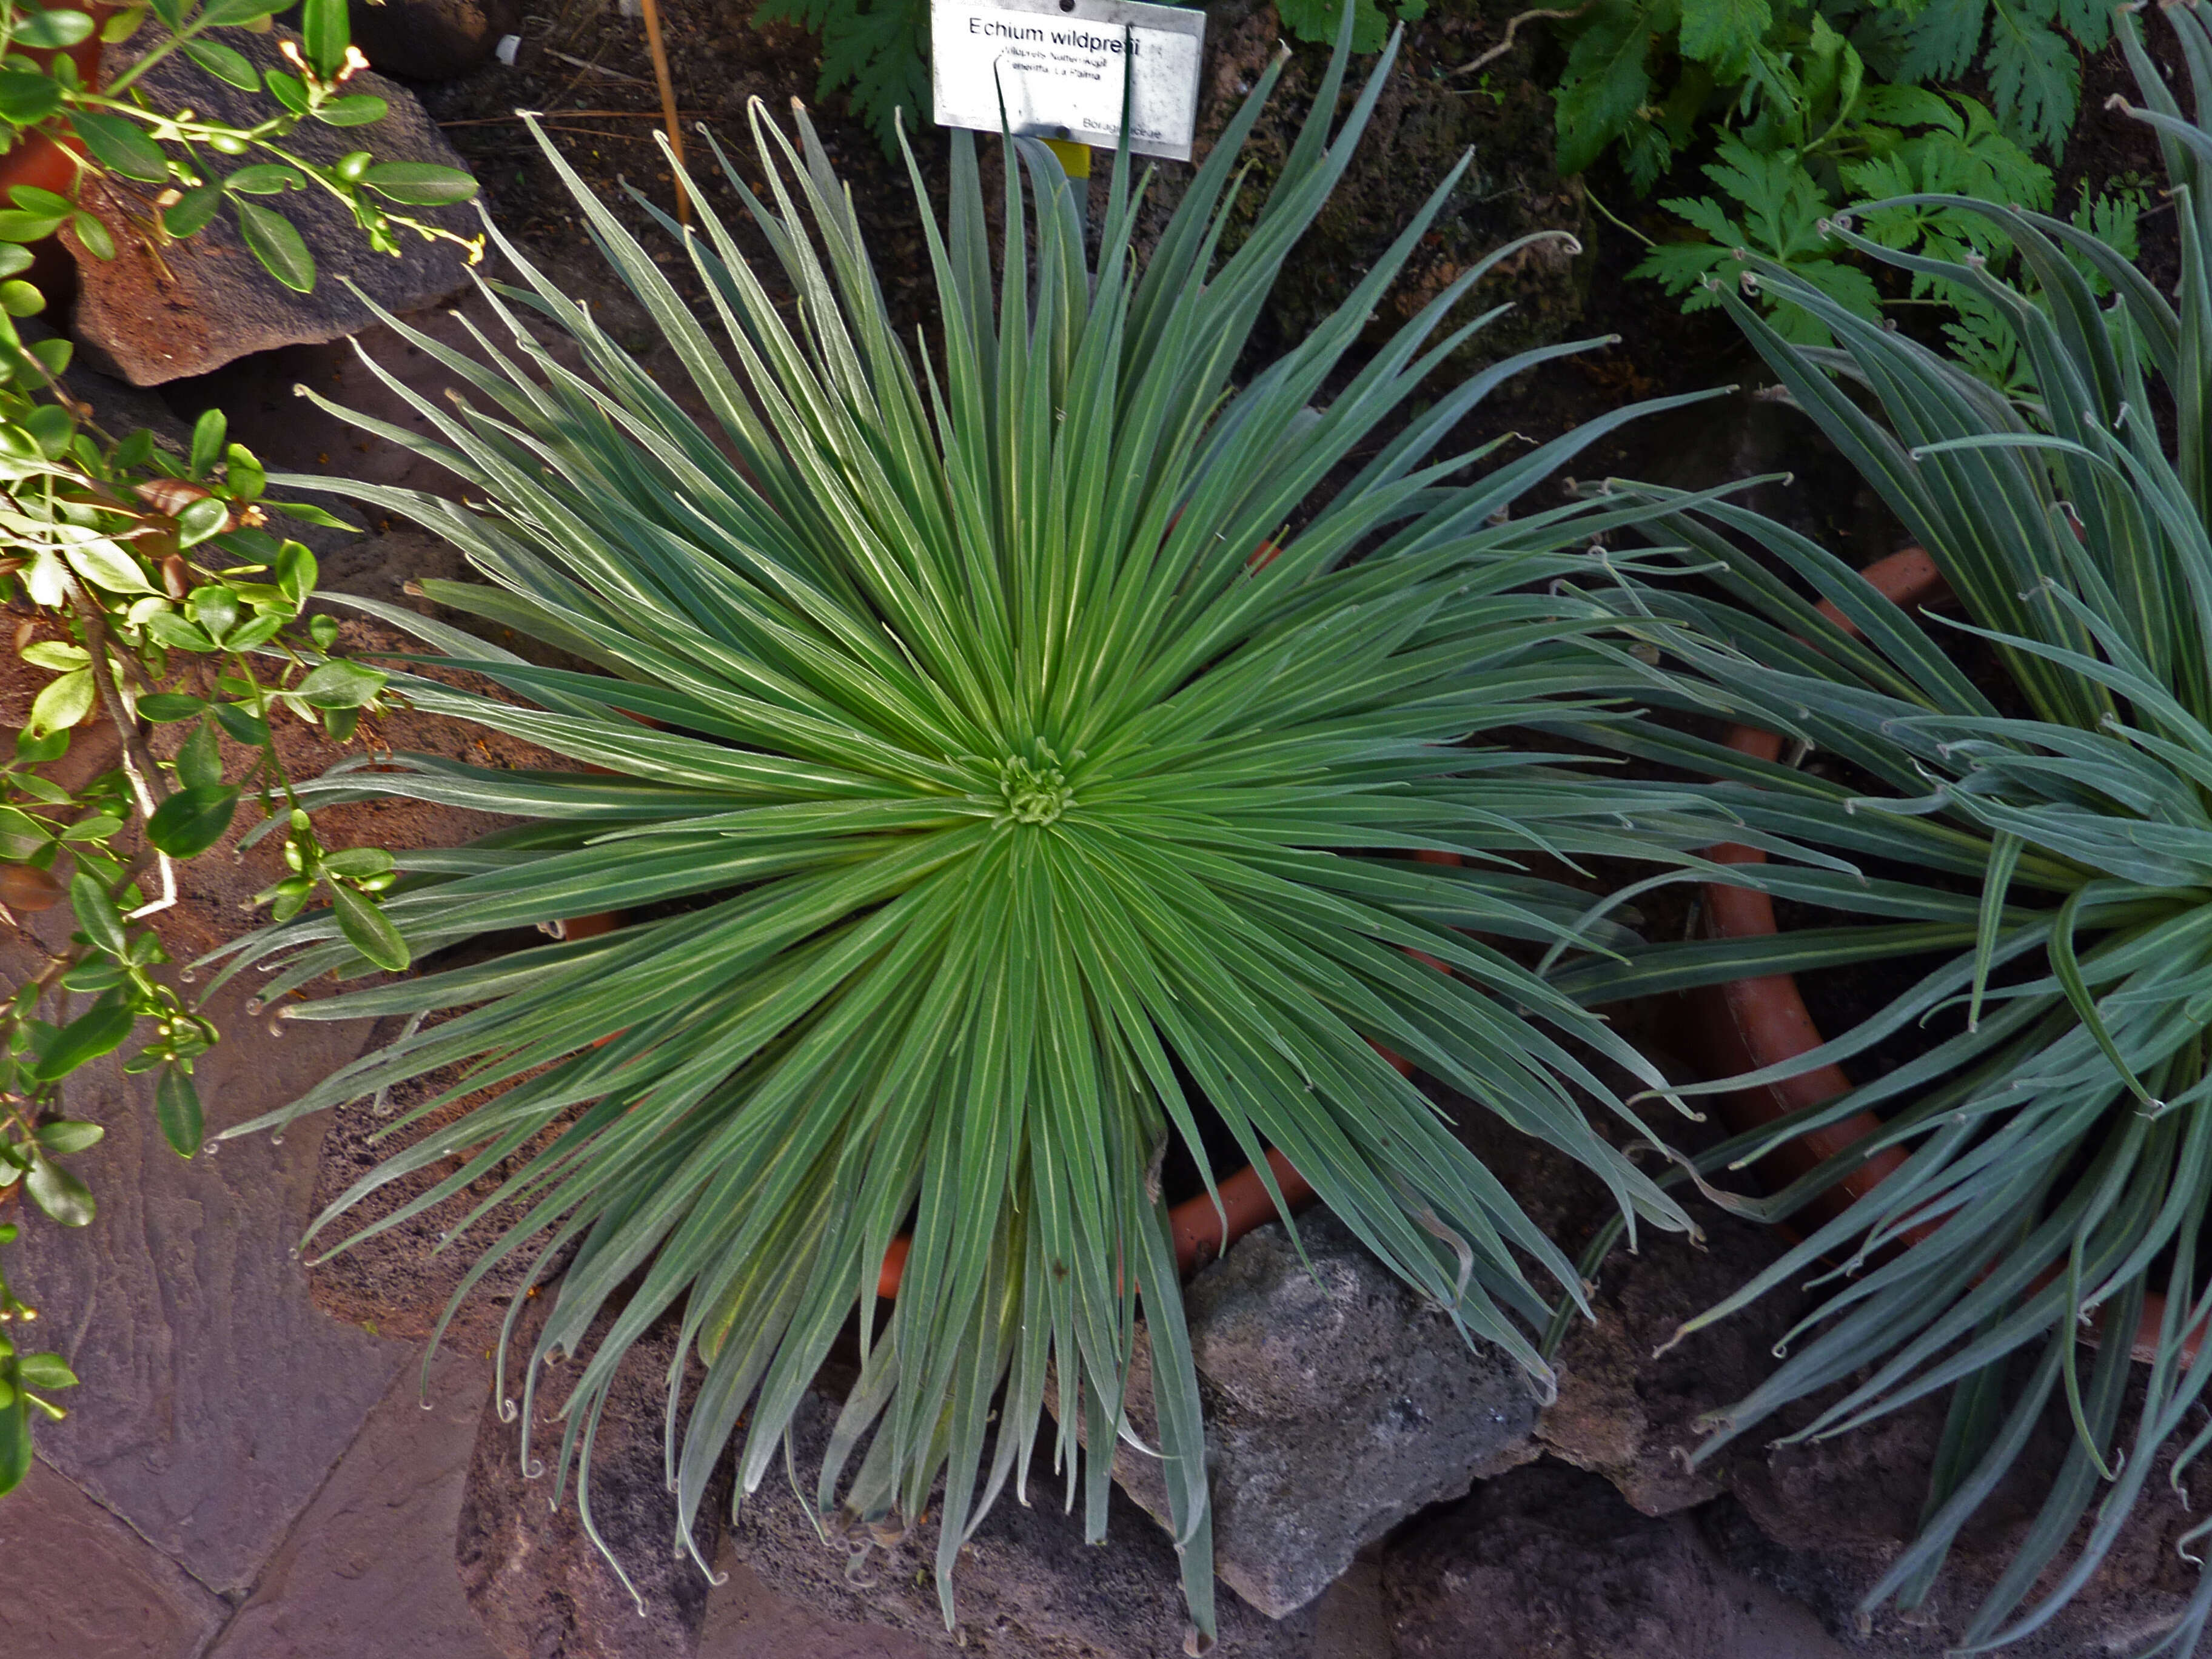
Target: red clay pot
x=1751 y=1023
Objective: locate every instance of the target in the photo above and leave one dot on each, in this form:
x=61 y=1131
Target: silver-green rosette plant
x=2027 y=780
x=1019 y=751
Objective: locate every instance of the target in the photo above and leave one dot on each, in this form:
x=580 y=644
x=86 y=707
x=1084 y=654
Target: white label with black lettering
x=1059 y=67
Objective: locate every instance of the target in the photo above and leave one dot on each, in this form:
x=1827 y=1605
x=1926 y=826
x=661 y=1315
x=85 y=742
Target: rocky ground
x=259 y=1465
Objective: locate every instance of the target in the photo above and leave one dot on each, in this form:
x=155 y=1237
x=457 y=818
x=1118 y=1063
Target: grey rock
x=1026 y=1586
x=1336 y=1407
x=368 y=1572
x=541 y=1586
x=431 y=39
x=1551 y=1560
x=216 y=1398
x=202 y=302
x=82 y=1582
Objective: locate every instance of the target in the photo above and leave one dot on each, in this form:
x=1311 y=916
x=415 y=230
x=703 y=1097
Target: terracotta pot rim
x=1766 y=1019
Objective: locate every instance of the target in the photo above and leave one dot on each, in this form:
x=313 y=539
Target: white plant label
x=1059 y=65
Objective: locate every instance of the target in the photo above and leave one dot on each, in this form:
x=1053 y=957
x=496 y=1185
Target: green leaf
x=265 y=179
x=367 y=930
x=175 y=632
x=297 y=574
x=199 y=760
x=27 y=99
x=177 y=1108
x=287 y=89
x=62 y=703
x=44 y=1370
x=200 y=519
x=308 y=512
x=20 y=299
x=14 y=258
x=220 y=14
x=190 y=214
x=20 y=835
x=63 y=1197
x=64 y=1136
x=224 y=64
x=2035 y=80
x=419 y=184
x=121 y=145
x=161 y=707
x=271 y=238
x=102 y=1031
x=191 y=821
x=45 y=31
x=14 y=1443
x=358 y=109
x=242 y=723
x=98 y=240
x=209 y=433
x=17 y=226
x=97 y=915
x=57 y=655
x=342 y=685
x=1604 y=85
x=357 y=862
x=1724 y=31
x=245 y=479
x=324 y=31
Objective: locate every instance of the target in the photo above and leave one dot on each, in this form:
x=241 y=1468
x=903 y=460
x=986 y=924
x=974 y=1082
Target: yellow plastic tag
x=1074 y=159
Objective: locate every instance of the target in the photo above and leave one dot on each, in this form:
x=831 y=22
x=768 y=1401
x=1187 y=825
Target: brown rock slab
x=368 y=1572
x=149 y=317
x=1548 y=1563
x=1027 y=1586
x=216 y=1398
x=746 y=1620
x=537 y=1581
x=82 y=1585
x=1337 y=1406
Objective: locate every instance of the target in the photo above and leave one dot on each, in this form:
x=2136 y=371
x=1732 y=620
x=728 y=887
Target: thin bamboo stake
x=667 y=103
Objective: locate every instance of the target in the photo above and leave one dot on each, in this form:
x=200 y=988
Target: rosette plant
x=2037 y=841
x=1007 y=747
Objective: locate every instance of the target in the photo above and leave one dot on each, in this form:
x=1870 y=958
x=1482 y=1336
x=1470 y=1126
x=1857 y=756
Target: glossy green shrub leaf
x=191 y=821
x=209 y=433
x=368 y=931
x=65 y=1198
x=62 y=702
x=225 y=63
x=164 y=706
x=419 y=184
x=64 y=1136
x=96 y=915
x=17 y=226
x=190 y=214
x=45 y=30
x=273 y=240
x=44 y=1370
x=325 y=31
x=27 y=99
x=342 y=685
x=121 y=145
x=202 y=519
x=177 y=1108
x=358 y=109
x=102 y=1031
x=265 y=179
